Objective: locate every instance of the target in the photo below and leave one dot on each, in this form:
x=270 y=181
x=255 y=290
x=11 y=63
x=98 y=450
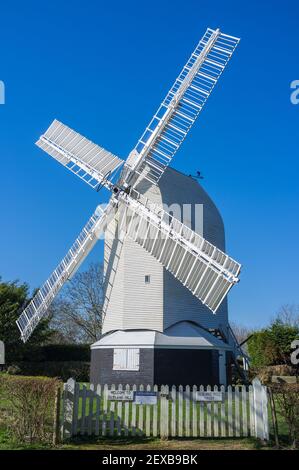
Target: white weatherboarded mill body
x=165 y=313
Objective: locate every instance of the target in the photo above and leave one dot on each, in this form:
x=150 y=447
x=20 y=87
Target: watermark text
x=295 y=94
x=2 y=92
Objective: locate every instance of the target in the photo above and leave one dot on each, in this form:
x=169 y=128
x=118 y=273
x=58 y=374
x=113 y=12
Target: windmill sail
x=179 y=110
x=87 y=160
x=38 y=306
x=202 y=267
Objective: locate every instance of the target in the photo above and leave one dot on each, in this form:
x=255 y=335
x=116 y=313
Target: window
x=125 y=359
x=147 y=279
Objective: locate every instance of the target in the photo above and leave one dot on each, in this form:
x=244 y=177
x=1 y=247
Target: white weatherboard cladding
x=165 y=301
x=143 y=303
x=180 y=304
x=133 y=303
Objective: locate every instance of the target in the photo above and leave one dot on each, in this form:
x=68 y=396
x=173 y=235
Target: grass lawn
x=137 y=443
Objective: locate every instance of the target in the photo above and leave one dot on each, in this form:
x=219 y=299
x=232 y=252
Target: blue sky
x=103 y=68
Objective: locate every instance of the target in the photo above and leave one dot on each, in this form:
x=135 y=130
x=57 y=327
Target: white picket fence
x=243 y=412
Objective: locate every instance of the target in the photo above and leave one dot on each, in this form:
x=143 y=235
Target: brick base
x=158 y=367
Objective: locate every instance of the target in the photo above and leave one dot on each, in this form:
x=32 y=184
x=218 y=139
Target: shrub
x=13 y=296
x=58 y=352
x=272 y=346
x=30 y=406
x=62 y=369
x=287 y=399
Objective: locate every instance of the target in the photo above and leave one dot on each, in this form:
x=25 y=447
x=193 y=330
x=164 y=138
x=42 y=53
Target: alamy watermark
x=177 y=218
x=2 y=92
x=295 y=354
x=294 y=97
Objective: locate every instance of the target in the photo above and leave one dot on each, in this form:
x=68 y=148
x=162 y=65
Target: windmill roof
x=182 y=335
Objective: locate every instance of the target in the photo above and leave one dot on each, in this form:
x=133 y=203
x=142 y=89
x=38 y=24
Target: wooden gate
x=241 y=411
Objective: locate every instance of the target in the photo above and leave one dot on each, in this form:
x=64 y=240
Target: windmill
x=199 y=270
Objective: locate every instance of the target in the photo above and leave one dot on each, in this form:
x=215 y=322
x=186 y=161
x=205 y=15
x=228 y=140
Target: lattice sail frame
x=204 y=269
x=182 y=105
x=38 y=306
x=81 y=156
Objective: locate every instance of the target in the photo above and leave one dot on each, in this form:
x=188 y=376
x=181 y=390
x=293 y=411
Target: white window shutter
x=137 y=356
x=117 y=359
x=125 y=359
x=133 y=359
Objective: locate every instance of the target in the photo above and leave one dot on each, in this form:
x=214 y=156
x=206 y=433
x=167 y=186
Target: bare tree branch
x=288 y=314
x=76 y=315
x=241 y=332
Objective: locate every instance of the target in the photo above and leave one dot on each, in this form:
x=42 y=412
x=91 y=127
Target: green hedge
x=54 y=360
x=58 y=352
x=272 y=346
x=27 y=405
x=78 y=370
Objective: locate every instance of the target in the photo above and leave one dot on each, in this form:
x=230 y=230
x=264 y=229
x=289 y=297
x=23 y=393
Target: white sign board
x=120 y=395
x=209 y=396
x=145 y=398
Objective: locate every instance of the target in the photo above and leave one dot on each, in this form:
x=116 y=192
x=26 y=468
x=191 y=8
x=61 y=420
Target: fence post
x=56 y=420
x=260 y=410
x=164 y=411
x=265 y=412
x=167 y=424
x=68 y=408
